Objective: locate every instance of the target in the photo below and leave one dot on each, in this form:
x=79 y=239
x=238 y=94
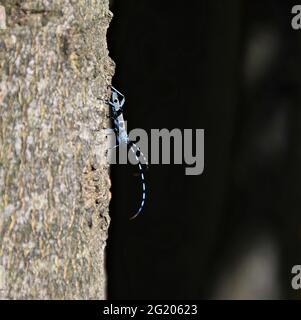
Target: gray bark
x=54 y=183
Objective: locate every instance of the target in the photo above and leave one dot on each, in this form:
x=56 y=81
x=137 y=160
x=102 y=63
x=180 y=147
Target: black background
x=189 y=65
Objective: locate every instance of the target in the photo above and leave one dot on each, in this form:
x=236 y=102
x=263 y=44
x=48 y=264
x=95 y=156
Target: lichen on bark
x=54 y=180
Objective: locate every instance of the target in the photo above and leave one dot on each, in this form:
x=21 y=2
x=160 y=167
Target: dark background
x=232 y=68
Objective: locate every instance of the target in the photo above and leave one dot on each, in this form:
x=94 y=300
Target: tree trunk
x=54 y=181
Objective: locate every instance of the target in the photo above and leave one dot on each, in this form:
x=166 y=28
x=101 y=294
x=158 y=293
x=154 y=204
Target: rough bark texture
x=54 y=183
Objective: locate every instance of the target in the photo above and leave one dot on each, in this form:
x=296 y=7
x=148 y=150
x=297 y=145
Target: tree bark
x=54 y=180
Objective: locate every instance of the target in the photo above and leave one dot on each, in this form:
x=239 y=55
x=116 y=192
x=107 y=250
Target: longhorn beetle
x=117 y=105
